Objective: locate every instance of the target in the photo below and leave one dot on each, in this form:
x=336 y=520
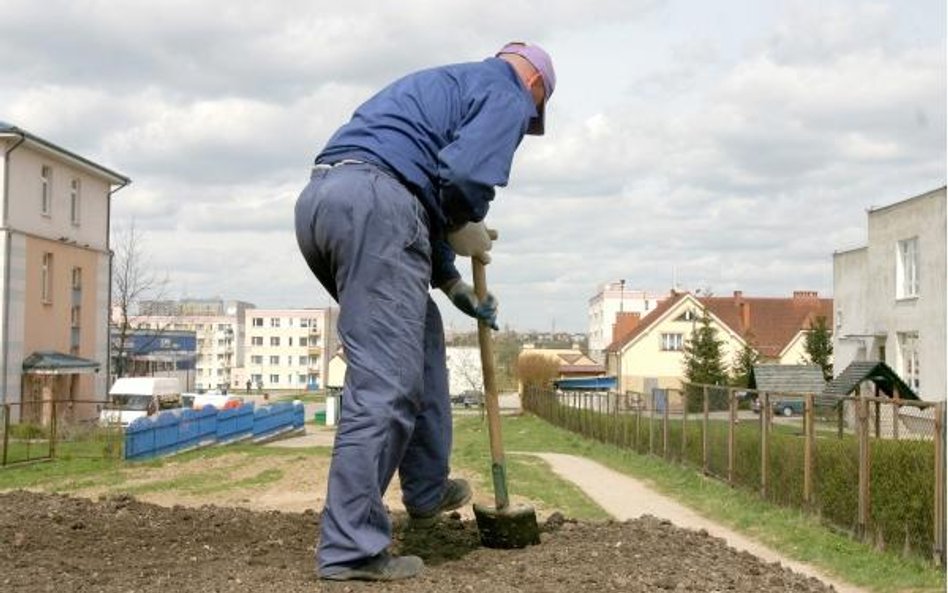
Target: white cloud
x=731 y=153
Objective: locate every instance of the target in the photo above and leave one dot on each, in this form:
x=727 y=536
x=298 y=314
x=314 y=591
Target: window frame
x=46 y=278
x=676 y=344
x=907 y=269
x=75 y=201
x=46 y=190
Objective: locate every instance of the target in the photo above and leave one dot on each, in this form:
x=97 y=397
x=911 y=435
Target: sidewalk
x=625 y=497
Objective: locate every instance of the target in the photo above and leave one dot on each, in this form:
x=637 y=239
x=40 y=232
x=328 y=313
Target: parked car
x=784 y=406
x=469 y=399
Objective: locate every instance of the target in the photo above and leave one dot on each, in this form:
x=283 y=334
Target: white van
x=135 y=397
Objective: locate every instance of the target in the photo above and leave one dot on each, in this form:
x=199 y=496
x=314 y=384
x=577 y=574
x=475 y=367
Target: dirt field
x=57 y=543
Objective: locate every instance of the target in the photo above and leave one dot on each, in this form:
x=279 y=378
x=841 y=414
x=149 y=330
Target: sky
x=721 y=146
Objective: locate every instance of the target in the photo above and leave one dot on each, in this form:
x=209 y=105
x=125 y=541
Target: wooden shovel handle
x=491 y=404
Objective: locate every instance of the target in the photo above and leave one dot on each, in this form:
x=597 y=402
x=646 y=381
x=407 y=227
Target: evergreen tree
x=743 y=365
x=704 y=361
x=819 y=346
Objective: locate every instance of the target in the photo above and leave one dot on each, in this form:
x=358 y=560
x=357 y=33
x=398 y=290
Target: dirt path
x=626 y=498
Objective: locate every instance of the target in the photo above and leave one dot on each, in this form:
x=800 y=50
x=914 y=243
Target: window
x=274 y=378
x=46 y=190
x=688 y=315
x=304 y=360
x=74 y=201
x=47 y=278
x=275 y=340
x=906 y=269
x=671 y=342
x=289 y=341
x=256 y=359
x=274 y=322
x=257 y=378
x=77 y=278
x=304 y=322
x=257 y=322
x=908 y=359
x=302 y=379
x=275 y=360
x=303 y=341
x=256 y=341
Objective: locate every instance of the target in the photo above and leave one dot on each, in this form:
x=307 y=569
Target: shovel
x=505 y=526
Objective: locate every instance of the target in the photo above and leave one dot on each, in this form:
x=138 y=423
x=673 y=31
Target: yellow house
x=649 y=352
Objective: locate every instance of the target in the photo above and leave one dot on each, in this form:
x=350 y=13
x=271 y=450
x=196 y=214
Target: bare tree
x=133 y=281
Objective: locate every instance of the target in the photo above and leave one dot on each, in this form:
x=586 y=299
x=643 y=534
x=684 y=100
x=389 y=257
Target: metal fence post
x=765 y=413
x=731 y=430
x=6 y=432
x=684 y=424
x=665 y=426
x=863 y=423
x=808 y=431
x=705 y=444
x=53 y=427
x=651 y=424
x=938 y=550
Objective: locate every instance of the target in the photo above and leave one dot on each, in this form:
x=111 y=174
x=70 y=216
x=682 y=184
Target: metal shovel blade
x=511 y=527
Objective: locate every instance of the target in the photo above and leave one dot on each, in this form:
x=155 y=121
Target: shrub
x=536 y=370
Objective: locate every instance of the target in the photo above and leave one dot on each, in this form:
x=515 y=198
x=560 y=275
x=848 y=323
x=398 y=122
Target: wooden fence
x=874 y=467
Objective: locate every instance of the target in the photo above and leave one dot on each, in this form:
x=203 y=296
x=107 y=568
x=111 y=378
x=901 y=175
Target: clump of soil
x=117 y=544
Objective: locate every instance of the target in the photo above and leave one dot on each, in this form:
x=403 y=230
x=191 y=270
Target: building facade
x=288 y=348
x=605 y=306
x=219 y=332
x=890 y=295
x=55 y=277
x=157 y=353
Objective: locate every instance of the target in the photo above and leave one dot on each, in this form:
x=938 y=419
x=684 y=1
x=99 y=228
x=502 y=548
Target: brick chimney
x=805 y=294
x=625 y=322
x=743 y=309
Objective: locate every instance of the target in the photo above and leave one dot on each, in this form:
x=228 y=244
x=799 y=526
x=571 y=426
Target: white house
x=890 y=295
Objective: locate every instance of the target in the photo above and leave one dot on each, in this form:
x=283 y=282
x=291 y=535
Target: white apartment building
x=288 y=348
x=54 y=281
x=611 y=299
x=890 y=295
x=220 y=337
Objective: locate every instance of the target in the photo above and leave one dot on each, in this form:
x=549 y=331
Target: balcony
x=314 y=350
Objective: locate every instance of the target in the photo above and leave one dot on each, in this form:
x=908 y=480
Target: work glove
x=471 y=240
x=464 y=298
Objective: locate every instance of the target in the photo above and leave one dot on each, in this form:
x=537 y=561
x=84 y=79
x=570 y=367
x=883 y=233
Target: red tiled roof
x=773 y=322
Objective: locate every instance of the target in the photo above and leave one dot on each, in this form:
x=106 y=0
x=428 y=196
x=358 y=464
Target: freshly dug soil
x=117 y=544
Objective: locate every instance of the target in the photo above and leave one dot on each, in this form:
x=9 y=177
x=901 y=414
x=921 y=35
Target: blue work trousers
x=365 y=237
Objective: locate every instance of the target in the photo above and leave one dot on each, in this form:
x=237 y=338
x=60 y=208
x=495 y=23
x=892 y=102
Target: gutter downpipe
x=108 y=315
x=6 y=262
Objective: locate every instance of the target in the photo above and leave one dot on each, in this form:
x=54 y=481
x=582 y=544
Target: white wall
x=864 y=283
x=606 y=304
x=25 y=211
